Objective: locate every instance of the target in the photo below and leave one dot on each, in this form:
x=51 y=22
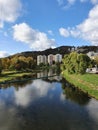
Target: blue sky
x=38 y=25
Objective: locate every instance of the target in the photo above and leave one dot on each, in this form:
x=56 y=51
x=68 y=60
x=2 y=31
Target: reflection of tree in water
x=21 y=84
x=19 y=81
x=74 y=94
x=16 y=84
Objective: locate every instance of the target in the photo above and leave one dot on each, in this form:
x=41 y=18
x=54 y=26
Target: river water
x=50 y=104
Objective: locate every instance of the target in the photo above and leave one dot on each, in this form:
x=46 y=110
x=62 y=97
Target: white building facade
x=92 y=54
x=58 y=58
x=50 y=59
x=41 y=59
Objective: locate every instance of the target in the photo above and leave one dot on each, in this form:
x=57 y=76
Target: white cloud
x=64 y=32
x=65 y=5
x=71 y=1
x=9 y=10
x=83 y=0
x=1 y=24
x=88 y=29
x=50 y=32
x=68 y=3
x=35 y=39
x=94 y=1
x=3 y=54
x=60 y=2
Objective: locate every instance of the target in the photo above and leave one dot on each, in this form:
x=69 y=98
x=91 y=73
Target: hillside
x=62 y=50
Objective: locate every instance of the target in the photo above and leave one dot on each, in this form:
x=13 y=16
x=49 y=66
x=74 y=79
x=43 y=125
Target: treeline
x=17 y=63
x=77 y=63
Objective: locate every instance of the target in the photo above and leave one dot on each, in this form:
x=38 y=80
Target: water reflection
x=42 y=105
x=92 y=109
x=50 y=75
x=74 y=94
x=35 y=90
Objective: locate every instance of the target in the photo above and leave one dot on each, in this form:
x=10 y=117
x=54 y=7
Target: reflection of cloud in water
x=62 y=97
x=7 y=116
x=92 y=108
x=32 y=92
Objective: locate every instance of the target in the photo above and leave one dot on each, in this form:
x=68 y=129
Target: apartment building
x=49 y=59
x=41 y=59
x=58 y=58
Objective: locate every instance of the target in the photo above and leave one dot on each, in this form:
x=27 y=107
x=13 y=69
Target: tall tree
x=76 y=63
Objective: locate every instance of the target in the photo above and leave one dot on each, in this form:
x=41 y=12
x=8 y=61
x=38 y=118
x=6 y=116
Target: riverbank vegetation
x=76 y=63
x=86 y=82
x=74 y=71
x=19 y=66
x=7 y=76
x=11 y=76
x=18 y=63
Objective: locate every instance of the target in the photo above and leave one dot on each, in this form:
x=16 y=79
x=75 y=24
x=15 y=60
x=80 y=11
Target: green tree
x=0 y=66
x=96 y=60
x=76 y=63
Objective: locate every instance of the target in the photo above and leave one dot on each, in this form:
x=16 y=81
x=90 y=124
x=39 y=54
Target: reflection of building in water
x=58 y=78
x=51 y=72
x=45 y=73
x=41 y=59
x=42 y=74
x=50 y=75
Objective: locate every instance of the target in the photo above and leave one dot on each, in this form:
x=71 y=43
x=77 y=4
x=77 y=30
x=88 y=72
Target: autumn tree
x=0 y=66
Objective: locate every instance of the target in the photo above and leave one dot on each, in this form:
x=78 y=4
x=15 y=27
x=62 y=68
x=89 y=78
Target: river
x=49 y=104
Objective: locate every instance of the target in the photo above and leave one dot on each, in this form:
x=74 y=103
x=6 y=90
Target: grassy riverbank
x=14 y=75
x=87 y=82
x=6 y=76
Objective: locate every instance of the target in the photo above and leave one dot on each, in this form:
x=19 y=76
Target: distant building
x=41 y=59
x=50 y=59
x=92 y=70
x=69 y=49
x=74 y=49
x=58 y=58
x=92 y=54
x=44 y=59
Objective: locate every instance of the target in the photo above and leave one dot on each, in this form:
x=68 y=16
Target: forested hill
x=61 y=50
x=28 y=60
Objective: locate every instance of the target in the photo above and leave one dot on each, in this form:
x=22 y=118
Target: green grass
x=87 y=82
x=12 y=75
x=91 y=78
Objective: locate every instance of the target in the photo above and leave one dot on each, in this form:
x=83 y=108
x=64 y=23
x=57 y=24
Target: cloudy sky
x=41 y=24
